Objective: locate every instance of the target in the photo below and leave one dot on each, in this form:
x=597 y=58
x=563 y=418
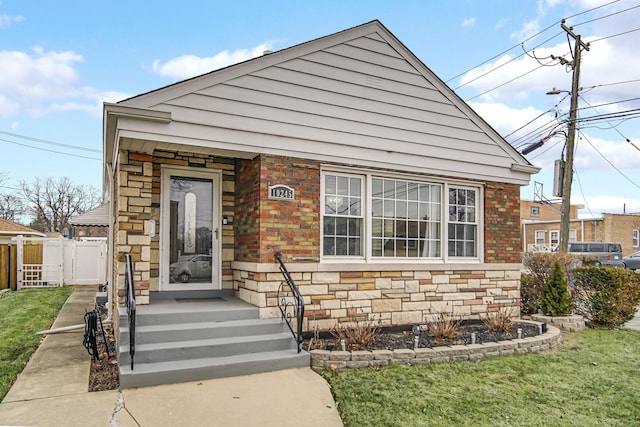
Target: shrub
x=499 y=321
x=530 y=293
x=356 y=335
x=555 y=299
x=444 y=326
x=606 y=296
x=539 y=266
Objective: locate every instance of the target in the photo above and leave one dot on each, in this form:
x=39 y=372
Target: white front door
x=189 y=239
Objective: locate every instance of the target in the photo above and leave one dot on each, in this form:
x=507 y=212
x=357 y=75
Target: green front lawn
x=22 y=314
x=593 y=379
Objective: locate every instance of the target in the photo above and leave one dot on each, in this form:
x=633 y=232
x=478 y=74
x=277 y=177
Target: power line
x=504 y=84
x=502 y=53
x=513 y=59
x=616 y=129
x=605 y=16
x=582 y=191
x=44 y=141
x=615 y=35
x=608 y=161
x=50 y=151
x=531 y=38
x=502 y=65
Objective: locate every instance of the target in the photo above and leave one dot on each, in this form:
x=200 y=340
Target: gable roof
x=9 y=228
x=359 y=97
x=98 y=216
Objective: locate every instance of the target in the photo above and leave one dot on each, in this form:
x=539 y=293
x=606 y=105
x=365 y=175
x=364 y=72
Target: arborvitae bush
x=606 y=296
x=556 y=300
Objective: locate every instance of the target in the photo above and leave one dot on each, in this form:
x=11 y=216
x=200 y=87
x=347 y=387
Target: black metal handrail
x=130 y=300
x=290 y=302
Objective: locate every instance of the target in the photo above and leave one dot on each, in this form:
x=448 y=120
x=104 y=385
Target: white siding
x=363 y=100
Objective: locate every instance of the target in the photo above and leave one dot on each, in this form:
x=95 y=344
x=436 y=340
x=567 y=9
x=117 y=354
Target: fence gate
x=51 y=262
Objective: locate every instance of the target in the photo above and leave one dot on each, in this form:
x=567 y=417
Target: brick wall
x=503 y=242
x=247 y=202
x=619 y=228
x=289 y=226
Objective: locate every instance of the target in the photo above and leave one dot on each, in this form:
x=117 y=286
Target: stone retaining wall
x=572 y=323
x=327 y=359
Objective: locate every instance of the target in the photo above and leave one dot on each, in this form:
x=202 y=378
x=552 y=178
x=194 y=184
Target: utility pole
x=571 y=137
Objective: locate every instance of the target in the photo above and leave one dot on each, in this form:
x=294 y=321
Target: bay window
x=374 y=217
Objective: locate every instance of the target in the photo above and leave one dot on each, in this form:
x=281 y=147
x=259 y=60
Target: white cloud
x=32 y=81
x=468 y=22
x=6 y=21
x=42 y=81
x=187 y=66
x=595 y=206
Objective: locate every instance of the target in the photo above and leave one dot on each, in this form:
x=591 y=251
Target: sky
x=59 y=61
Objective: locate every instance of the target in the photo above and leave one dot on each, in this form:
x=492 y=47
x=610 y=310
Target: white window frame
x=473 y=223
x=363 y=210
x=539 y=240
x=635 y=238
x=552 y=234
x=367 y=257
x=534 y=210
x=573 y=235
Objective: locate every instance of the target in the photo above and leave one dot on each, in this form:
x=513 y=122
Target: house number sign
x=281 y=192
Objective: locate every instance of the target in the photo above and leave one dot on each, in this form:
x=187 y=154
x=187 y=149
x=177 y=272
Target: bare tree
x=11 y=206
x=53 y=203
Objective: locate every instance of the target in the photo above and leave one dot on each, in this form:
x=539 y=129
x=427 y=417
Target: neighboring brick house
x=388 y=196
x=541 y=228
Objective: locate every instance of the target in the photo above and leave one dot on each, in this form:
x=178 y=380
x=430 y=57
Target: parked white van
x=603 y=253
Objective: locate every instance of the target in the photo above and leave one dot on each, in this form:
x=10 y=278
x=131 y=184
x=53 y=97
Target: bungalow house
x=388 y=198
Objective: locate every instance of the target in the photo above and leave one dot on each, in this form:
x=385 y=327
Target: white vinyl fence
x=51 y=262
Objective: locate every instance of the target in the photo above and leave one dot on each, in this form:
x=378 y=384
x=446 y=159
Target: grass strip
x=592 y=380
x=22 y=314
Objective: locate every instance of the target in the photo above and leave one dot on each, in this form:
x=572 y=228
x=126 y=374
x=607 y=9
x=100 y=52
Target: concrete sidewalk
x=633 y=324
x=52 y=391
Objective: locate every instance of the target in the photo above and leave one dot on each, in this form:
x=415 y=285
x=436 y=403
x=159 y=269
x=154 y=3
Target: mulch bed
x=391 y=338
x=103 y=374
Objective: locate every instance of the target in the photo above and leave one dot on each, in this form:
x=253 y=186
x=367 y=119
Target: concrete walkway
x=52 y=391
x=633 y=324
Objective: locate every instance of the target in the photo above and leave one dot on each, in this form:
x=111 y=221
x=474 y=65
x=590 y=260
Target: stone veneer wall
x=133 y=212
x=138 y=183
x=391 y=297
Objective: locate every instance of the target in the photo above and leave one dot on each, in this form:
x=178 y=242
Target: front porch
x=194 y=335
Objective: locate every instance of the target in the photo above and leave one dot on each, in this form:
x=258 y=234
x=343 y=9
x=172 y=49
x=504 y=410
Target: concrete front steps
x=195 y=336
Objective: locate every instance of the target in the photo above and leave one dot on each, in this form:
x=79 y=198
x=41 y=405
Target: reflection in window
x=405 y=219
